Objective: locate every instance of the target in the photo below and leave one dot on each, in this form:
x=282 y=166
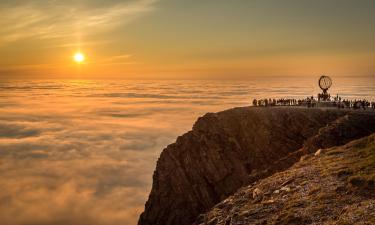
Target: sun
x=79 y=57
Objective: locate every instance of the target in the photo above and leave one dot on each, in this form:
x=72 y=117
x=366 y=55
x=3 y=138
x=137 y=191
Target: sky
x=186 y=38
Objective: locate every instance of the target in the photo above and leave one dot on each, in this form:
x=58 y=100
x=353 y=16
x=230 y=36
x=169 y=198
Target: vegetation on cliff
x=334 y=186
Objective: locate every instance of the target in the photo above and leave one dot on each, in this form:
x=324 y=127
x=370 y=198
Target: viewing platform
x=323 y=99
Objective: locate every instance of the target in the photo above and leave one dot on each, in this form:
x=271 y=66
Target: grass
x=363 y=170
x=289 y=218
x=335 y=152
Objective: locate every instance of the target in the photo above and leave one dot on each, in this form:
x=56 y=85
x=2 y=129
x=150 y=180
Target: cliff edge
x=228 y=150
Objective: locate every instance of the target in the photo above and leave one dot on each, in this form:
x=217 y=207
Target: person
x=308 y=103
x=255 y=102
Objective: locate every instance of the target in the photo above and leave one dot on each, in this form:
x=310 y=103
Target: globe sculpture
x=325 y=82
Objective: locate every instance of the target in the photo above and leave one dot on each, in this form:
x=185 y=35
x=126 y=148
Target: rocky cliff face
x=230 y=149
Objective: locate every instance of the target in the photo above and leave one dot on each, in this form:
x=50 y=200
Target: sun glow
x=79 y=57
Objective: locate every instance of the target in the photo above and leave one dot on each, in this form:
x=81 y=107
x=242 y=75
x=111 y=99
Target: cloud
x=83 y=152
x=69 y=169
x=66 y=19
x=9 y=130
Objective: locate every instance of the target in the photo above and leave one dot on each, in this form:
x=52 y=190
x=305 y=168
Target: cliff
x=333 y=186
x=231 y=149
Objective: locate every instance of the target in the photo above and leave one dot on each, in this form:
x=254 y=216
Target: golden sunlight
x=79 y=57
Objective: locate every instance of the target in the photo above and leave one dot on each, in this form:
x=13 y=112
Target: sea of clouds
x=83 y=152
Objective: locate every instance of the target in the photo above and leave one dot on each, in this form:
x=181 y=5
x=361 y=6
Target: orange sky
x=186 y=39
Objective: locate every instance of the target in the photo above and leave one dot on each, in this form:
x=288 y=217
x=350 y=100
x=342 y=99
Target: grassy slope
x=335 y=187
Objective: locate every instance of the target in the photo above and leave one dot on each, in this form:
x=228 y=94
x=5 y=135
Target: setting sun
x=79 y=57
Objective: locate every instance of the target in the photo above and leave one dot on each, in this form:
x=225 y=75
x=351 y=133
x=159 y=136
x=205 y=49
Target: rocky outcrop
x=344 y=129
x=230 y=149
x=336 y=186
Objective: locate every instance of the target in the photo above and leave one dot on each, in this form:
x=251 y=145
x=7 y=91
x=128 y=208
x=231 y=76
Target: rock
x=353 y=125
x=271 y=201
x=288 y=181
x=257 y=193
x=215 y=158
x=244 y=213
x=276 y=192
x=319 y=152
x=286 y=189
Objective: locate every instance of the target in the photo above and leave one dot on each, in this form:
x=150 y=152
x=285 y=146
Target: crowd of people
x=357 y=104
x=277 y=102
x=312 y=102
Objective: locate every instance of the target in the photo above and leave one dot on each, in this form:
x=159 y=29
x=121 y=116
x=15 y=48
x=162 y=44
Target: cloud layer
x=84 y=152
